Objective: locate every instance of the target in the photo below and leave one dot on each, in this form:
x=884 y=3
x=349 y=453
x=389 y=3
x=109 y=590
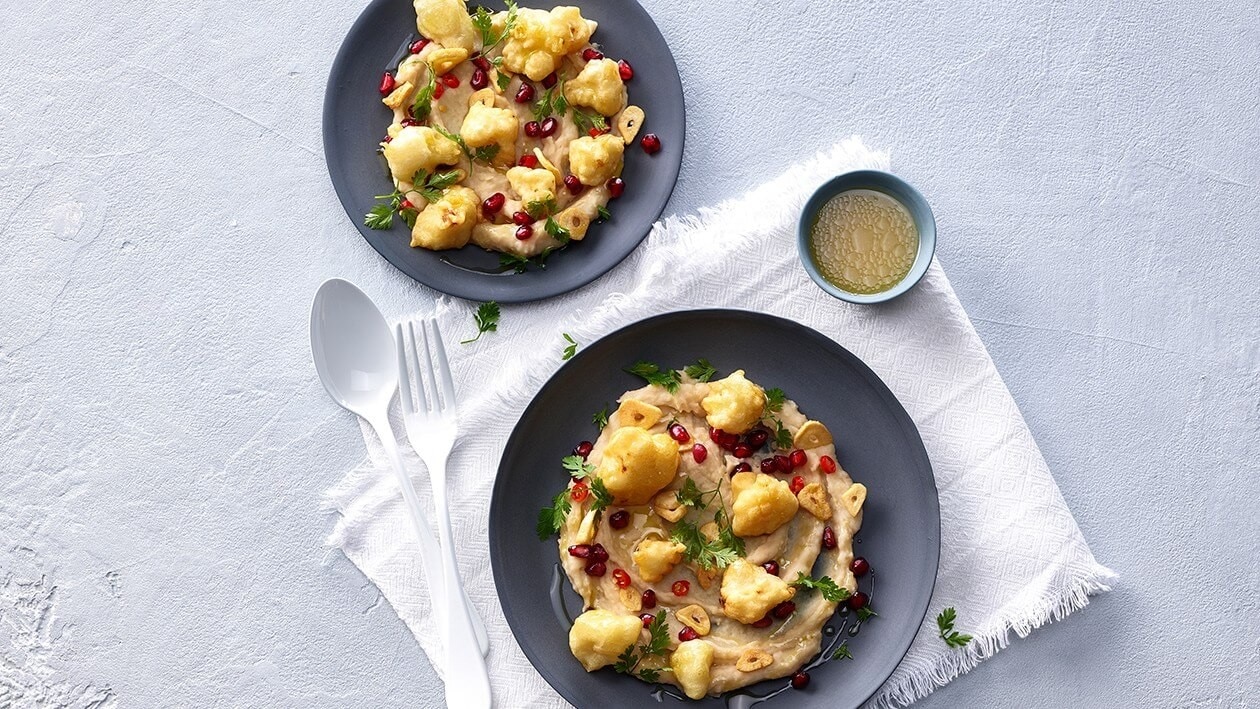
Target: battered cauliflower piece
x=419 y=148
x=447 y=223
x=541 y=39
x=692 y=663
x=761 y=504
x=599 y=636
x=734 y=404
x=656 y=558
x=749 y=592
x=596 y=160
x=637 y=464
x=532 y=185
x=598 y=86
x=446 y=22
x=488 y=125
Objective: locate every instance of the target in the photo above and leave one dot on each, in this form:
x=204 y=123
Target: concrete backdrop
x=165 y=216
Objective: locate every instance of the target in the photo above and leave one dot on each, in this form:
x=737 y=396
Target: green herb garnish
x=657 y=644
x=945 y=624
x=775 y=398
x=842 y=652
x=571 y=349
x=829 y=589
x=380 y=216
x=483 y=20
x=422 y=104
x=551 y=519
x=604 y=214
x=717 y=553
x=600 y=419
x=487 y=319
x=586 y=121
x=701 y=370
x=865 y=613
x=540 y=208
x=782 y=436
x=577 y=466
x=652 y=374
x=556 y=231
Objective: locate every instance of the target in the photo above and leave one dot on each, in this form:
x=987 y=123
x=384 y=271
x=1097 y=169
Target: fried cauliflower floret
x=598 y=86
x=637 y=464
x=596 y=160
x=540 y=39
x=734 y=404
x=656 y=558
x=532 y=185
x=446 y=22
x=419 y=148
x=447 y=223
x=488 y=125
x=760 y=504
x=599 y=636
x=749 y=592
x=692 y=664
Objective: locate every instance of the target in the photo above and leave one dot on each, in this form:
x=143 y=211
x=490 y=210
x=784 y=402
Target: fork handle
x=430 y=552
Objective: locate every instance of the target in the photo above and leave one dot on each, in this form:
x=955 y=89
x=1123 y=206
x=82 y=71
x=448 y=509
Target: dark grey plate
x=876 y=442
x=355 y=120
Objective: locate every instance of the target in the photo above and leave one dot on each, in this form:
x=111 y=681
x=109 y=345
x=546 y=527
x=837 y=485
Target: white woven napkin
x=1012 y=556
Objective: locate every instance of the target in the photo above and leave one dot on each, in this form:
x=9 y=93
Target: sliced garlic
x=813 y=497
x=631 y=599
x=812 y=434
x=398 y=96
x=628 y=123
x=444 y=59
x=695 y=617
x=854 y=498
x=586 y=530
x=752 y=659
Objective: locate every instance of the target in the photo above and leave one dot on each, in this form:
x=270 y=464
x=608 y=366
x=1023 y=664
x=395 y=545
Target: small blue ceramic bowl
x=890 y=185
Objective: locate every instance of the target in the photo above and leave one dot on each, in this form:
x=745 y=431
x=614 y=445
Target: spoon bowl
x=353 y=348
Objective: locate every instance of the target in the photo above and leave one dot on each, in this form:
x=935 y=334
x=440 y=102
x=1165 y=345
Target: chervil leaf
x=782 y=436
x=577 y=466
x=600 y=419
x=557 y=232
x=604 y=214
x=380 y=217
x=602 y=498
x=436 y=183
x=700 y=549
x=690 y=495
x=652 y=374
x=649 y=675
x=824 y=585
x=485 y=153
x=422 y=104
x=503 y=79
x=842 y=652
x=775 y=399
x=571 y=349
x=517 y=263
x=701 y=370
x=487 y=319
x=865 y=613
x=658 y=632
x=586 y=121
x=551 y=519
x=484 y=22
x=945 y=624
x=626 y=660
x=540 y=208
x=726 y=533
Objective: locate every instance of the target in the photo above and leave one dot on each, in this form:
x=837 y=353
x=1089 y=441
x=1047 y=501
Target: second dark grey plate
x=875 y=440
x=355 y=120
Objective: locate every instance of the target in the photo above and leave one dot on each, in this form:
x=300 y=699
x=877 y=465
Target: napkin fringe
x=1053 y=605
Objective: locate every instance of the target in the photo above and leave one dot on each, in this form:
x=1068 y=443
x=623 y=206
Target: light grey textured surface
x=165 y=217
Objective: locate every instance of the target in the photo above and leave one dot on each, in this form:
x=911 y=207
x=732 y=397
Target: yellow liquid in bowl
x=864 y=241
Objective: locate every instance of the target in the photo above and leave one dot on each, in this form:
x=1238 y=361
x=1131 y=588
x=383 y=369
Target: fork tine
x=415 y=365
x=428 y=363
x=444 y=366
x=404 y=372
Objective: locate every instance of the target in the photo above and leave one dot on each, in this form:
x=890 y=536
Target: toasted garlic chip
x=586 y=530
x=753 y=659
x=444 y=59
x=633 y=412
x=628 y=123
x=485 y=97
x=547 y=165
x=814 y=499
x=694 y=617
x=631 y=599
x=577 y=224
x=706 y=577
x=666 y=505
x=812 y=434
x=853 y=498
x=398 y=96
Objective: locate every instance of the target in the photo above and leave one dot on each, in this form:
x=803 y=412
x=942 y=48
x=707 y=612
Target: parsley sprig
x=657 y=645
x=551 y=519
x=487 y=319
x=600 y=419
x=652 y=374
x=484 y=154
x=775 y=398
x=586 y=121
x=842 y=652
x=429 y=186
x=521 y=264
x=552 y=102
x=569 y=350
x=577 y=466
x=701 y=370
x=484 y=22
x=829 y=589
x=945 y=624
x=604 y=214
x=709 y=553
x=422 y=104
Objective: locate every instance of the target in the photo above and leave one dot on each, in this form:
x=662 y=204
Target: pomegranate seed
x=783 y=463
x=758 y=437
x=743 y=467
x=525 y=94
x=387 y=138
x=594 y=132
x=387 y=83
x=581 y=551
x=800 y=680
x=573 y=184
x=418 y=45
x=596 y=568
x=651 y=143
x=453 y=82
x=859 y=600
x=828 y=464
x=798 y=458
x=585 y=447
x=860 y=566
x=626 y=71
x=621 y=578
x=699 y=453
x=616 y=186
x=678 y=432
x=438 y=90
x=829 y=538
x=524 y=233
x=742 y=451
x=783 y=610
x=599 y=553
x=579 y=491
x=522 y=218
x=549 y=126
x=530 y=161
x=687 y=634
x=771 y=567
x=763 y=623
x=406 y=204
x=408 y=122
x=648 y=599
x=492 y=204
x=590 y=54
x=479 y=79
x=549 y=80
x=619 y=519
x=680 y=588
x=533 y=129
x=767 y=466
x=797 y=484
x=647 y=618
x=481 y=63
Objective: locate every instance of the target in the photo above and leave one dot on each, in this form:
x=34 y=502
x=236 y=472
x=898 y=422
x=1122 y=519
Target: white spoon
x=356 y=359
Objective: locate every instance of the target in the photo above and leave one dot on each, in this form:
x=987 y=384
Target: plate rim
x=906 y=422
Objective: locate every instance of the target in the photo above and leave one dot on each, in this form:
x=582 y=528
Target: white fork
x=432 y=429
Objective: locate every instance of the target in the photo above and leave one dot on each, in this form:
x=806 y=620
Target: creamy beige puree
x=739 y=623
x=864 y=241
